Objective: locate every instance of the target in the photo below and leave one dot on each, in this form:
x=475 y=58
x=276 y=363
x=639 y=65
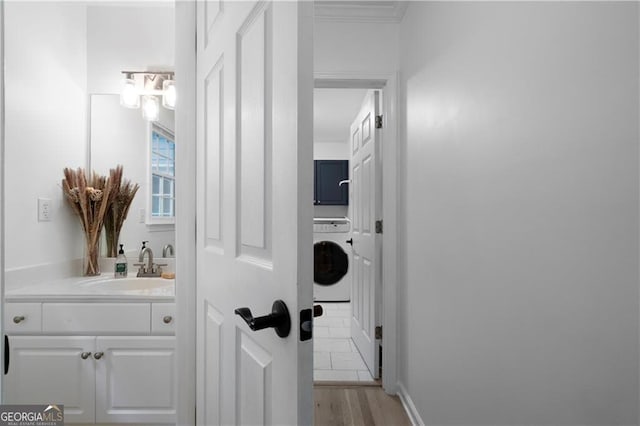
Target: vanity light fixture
x=169 y=95
x=148 y=85
x=150 y=108
x=129 y=96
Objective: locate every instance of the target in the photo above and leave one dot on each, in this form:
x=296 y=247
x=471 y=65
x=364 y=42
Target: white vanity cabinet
x=50 y=370
x=106 y=362
x=135 y=380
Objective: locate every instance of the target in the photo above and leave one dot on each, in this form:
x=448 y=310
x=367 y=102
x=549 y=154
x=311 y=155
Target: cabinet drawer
x=22 y=318
x=163 y=318
x=96 y=318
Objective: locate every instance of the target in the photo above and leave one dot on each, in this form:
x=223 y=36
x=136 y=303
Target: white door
x=135 y=379
x=365 y=207
x=254 y=215
x=53 y=370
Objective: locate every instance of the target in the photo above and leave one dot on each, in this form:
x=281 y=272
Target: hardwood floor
x=357 y=405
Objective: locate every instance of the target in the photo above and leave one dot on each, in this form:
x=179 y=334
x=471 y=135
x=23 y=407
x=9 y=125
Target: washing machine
x=331 y=260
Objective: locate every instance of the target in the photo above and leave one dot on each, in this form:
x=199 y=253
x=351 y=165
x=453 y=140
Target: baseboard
x=407 y=403
x=345 y=384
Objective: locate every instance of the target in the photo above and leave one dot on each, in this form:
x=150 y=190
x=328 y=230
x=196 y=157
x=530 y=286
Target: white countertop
x=101 y=288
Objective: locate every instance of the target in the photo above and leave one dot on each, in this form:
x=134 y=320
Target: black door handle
x=278 y=318
x=349 y=241
x=7 y=353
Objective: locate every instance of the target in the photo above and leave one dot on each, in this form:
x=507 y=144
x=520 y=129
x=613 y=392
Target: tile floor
x=335 y=357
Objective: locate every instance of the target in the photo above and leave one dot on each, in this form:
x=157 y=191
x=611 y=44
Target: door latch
x=378 y=227
x=378 y=332
x=306 y=321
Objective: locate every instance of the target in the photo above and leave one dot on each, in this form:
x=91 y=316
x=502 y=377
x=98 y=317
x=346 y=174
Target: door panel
x=212 y=10
x=212 y=362
x=254 y=111
x=214 y=108
x=254 y=149
x=366 y=244
x=254 y=392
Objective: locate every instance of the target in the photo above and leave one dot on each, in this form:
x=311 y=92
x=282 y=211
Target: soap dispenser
x=121 y=264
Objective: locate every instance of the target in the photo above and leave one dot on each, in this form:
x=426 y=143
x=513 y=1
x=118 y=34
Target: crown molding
x=360 y=11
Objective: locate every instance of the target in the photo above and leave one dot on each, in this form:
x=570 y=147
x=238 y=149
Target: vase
x=91 y=261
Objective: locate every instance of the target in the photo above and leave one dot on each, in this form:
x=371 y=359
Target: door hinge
x=378 y=121
x=378 y=227
x=379 y=332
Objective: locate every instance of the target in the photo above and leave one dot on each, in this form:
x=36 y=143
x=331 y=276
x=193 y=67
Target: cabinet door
x=135 y=380
x=51 y=370
x=329 y=173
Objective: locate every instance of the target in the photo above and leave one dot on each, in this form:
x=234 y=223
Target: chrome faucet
x=150 y=269
x=146 y=250
x=168 y=249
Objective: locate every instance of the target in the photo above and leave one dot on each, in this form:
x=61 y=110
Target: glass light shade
x=129 y=96
x=150 y=108
x=169 y=95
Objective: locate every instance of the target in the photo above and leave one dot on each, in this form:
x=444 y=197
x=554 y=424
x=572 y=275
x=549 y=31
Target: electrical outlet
x=143 y=216
x=44 y=210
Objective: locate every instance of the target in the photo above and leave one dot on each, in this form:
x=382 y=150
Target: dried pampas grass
x=91 y=200
x=117 y=214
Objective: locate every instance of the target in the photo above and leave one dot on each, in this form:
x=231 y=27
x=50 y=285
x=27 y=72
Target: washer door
x=330 y=263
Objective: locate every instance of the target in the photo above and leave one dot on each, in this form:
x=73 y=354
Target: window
x=162 y=175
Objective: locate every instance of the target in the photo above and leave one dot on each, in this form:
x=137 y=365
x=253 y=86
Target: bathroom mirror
x=119 y=135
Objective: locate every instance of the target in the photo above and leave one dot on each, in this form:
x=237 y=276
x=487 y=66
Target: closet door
x=367 y=242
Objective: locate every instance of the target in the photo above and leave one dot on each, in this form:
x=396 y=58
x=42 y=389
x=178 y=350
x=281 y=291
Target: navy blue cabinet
x=328 y=173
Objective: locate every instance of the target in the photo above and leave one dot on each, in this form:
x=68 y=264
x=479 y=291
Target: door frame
x=185 y=19
x=2 y=184
x=389 y=153
x=185 y=226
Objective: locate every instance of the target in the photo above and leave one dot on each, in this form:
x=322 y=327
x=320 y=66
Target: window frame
x=159 y=223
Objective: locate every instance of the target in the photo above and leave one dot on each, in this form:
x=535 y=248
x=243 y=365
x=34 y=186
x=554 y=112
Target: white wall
x=45 y=59
x=355 y=47
x=137 y=37
x=331 y=150
x=521 y=298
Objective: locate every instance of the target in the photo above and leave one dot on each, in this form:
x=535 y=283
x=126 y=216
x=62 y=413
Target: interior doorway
x=347 y=250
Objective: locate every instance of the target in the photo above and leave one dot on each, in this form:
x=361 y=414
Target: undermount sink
x=129 y=283
x=100 y=287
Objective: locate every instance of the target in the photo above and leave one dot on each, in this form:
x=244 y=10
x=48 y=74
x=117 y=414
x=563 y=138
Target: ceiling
x=333 y=112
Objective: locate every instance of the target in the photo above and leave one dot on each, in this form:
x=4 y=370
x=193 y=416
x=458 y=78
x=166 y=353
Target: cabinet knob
x=98 y=355
x=85 y=355
x=18 y=319
x=167 y=319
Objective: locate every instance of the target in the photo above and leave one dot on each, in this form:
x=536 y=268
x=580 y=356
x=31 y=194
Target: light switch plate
x=44 y=210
